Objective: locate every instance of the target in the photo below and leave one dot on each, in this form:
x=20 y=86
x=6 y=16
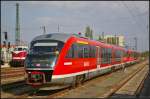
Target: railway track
x=10 y=75
x=28 y=92
x=14 y=89
x=12 y=72
x=125 y=81
x=11 y=69
x=55 y=93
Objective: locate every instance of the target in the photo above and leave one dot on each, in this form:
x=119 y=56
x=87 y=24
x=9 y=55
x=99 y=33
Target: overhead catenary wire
x=140 y=25
x=139 y=16
x=133 y=16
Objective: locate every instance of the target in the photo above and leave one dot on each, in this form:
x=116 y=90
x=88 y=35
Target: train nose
x=39 y=77
x=36 y=78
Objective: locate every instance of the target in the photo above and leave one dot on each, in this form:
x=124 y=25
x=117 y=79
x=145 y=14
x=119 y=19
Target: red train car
x=67 y=59
x=19 y=55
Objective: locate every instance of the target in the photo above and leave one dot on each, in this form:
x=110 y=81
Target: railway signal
x=8 y=45
x=135 y=43
x=5 y=35
x=44 y=30
x=4 y=43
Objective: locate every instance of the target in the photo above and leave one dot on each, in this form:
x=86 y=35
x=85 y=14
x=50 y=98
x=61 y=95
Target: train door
x=98 y=56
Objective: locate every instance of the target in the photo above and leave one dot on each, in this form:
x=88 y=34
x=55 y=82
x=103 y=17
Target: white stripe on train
x=78 y=73
x=18 y=57
x=83 y=72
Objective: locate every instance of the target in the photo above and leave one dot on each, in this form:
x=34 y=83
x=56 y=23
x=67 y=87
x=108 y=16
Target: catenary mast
x=17 y=35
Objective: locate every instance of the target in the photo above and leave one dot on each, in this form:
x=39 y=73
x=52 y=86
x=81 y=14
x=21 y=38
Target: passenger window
x=92 y=51
x=70 y=53
x=80 y=51
x=86 y=51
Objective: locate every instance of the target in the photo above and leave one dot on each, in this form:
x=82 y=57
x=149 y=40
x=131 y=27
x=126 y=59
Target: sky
x=127 y=18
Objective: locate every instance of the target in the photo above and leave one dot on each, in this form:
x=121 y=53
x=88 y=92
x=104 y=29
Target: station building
x=115 y=40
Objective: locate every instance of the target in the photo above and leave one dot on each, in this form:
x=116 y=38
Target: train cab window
x=25 y=49
x=18 y=49
x=46 y=47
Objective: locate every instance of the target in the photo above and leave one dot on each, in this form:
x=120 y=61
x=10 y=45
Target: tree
x=89 y=32
x=145 y=54
x=100 y=38
x=113 y=40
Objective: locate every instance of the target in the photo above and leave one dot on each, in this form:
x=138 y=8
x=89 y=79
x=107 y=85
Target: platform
x=132 y=87
x=102 y=87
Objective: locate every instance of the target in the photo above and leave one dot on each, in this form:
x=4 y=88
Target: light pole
x=135 y=38
x=58 y=27
x=44 y=30
x=103 y=35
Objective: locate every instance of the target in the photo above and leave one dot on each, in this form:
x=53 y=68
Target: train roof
x=65 y=36
x=54 y=36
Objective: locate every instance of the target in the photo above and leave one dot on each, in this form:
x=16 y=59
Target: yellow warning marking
x=82 y=42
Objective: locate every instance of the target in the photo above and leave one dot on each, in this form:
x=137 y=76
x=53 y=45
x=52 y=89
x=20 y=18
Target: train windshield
x=40 y=60
x=43 y=54
x=20 y=49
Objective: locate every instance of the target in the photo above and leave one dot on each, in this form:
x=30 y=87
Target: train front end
x=19 y=55
x=41 y=60
x=39 y=68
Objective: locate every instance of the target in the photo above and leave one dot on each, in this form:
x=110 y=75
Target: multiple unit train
x=60 y=59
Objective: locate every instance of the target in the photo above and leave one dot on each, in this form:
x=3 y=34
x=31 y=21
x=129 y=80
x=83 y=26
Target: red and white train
x=67 y=59
x=18 y=55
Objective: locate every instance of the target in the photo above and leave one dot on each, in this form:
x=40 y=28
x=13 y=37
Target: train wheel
x=83 y=79
x=74 y=84
x=113 y=69
x=80 y=79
